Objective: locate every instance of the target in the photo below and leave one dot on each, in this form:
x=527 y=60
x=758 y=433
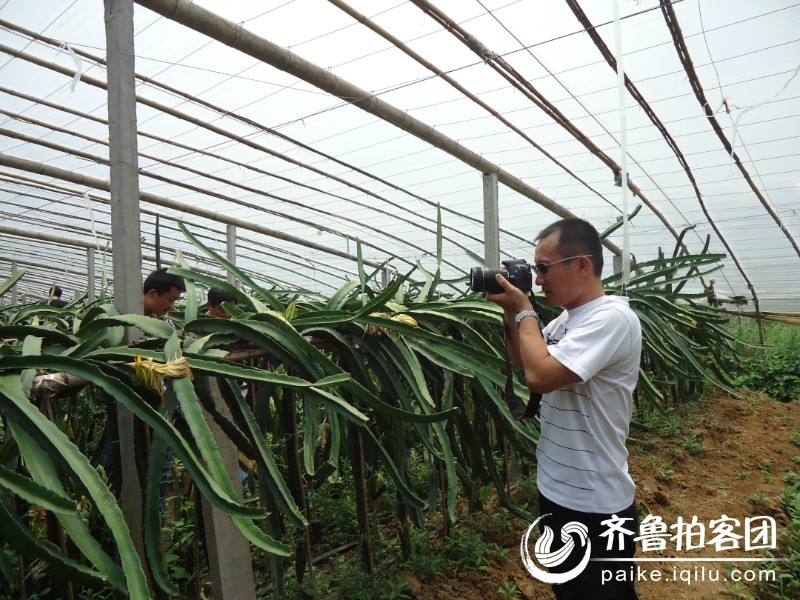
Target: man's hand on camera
x=512 y=299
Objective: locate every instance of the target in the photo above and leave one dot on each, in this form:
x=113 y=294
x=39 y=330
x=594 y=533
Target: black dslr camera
x=518 y=272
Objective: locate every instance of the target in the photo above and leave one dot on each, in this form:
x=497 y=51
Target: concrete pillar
x=125 y=228
x=229 y=558
x=90 y=288
x=491 y=221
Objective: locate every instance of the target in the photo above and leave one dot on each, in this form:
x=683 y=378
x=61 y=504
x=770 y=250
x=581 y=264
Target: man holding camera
x=586 y=364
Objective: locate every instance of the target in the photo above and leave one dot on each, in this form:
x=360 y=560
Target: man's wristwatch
x=524 y=314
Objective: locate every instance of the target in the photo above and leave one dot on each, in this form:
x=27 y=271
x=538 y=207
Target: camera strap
x=518 y=410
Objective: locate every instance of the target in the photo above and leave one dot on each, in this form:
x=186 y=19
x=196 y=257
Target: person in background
x=586 y=364
x=711 y=294
x=160 y=291
x=215 y=299
x=55 y=297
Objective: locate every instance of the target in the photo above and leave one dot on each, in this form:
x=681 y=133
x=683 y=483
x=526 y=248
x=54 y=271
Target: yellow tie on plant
x=151 y=374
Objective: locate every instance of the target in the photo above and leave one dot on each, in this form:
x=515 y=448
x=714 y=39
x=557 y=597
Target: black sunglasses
x=544 y=268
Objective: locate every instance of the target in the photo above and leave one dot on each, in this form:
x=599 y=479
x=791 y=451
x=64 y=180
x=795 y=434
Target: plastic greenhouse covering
x=348 y=126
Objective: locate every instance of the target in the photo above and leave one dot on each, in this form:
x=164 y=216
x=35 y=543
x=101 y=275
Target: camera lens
x=483 y=280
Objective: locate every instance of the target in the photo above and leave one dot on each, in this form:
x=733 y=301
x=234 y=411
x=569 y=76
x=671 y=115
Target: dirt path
x=728 y=459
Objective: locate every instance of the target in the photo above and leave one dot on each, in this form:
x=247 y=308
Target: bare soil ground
x=729 y=458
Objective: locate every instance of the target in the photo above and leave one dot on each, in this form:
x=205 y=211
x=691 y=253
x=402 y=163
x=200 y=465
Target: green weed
x=468 y=550
x=692 y=445
x=664 y=473
x=774 y=370
x=424 y=563
x=508 y=590
x=787 y=581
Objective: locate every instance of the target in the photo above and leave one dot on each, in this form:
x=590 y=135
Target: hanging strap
x=518 y=410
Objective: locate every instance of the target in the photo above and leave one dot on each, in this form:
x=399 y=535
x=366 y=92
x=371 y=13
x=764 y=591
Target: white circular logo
x=553 y=559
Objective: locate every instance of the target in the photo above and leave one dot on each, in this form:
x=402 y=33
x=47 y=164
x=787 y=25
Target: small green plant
x=786 y=583
x=419 y=472
x=528 y=491
x=497 y=525
x=766 y=469
x=742 y=474
x=670 y=426
x=757 y=499
x=664 y=473
x=352 y=582
x=509 y=589
x=692 y=445
x=468 y=550
x=395 y=589
x=796 y=438
x=424 y=563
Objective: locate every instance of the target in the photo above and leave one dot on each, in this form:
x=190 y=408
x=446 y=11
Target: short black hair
x=56 y=291
x=162 y=282
x=576 y=237
x=217 y=296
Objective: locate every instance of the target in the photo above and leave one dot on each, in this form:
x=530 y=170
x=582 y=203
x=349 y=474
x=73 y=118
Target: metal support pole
x=385 y=278
x=491 y=221
x=13 y=289
x=90 y=288
x=125 y=228
x=231 y=233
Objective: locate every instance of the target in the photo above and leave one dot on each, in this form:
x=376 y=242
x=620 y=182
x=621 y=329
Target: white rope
x=626 y=255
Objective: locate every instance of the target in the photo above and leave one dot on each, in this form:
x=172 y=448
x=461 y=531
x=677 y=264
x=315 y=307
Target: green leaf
x=263 y=294
x=40 y=466
x=35 y=493
x=264 y=457
x=152 y=507
x=190 y=310
x=22 y=539
x=124 y=394
x=340 y=297
x=11 y=281
x=37 y=310
x=359 y=390
x=20 y=410
x=190 y=409
x=32 y=346
x=311 y=422
x=149 y=325
x=45 y=332
x=220 y=367
x=241 y=298
x=402 y=487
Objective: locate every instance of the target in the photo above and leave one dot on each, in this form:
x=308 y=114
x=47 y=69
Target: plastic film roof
x=240 y=138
